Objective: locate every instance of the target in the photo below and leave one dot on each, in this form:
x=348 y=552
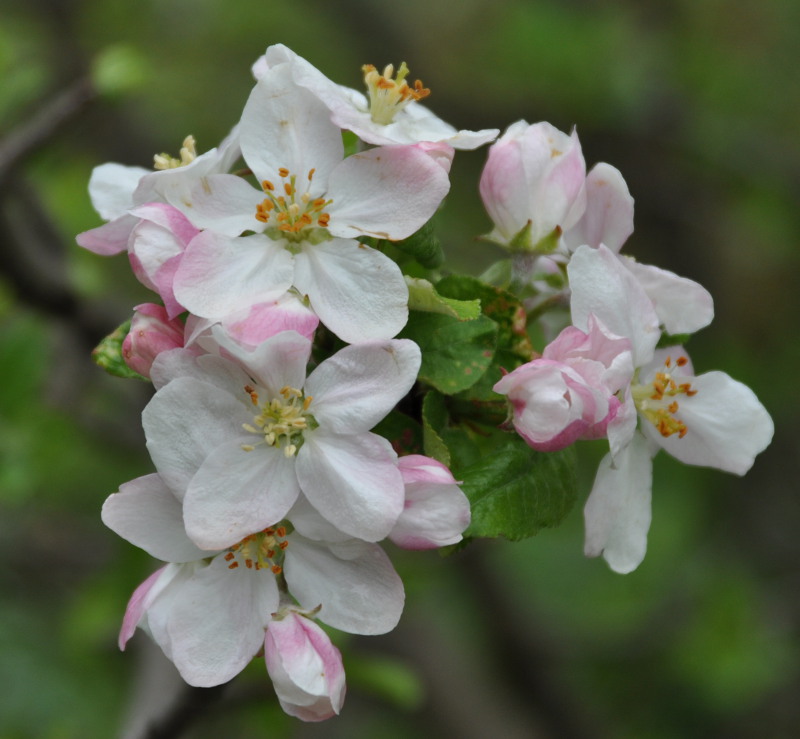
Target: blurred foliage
x=695 y=102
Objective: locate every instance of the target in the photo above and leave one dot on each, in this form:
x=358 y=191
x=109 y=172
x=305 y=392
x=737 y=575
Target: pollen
x=294 y=213
x=389 y=94
x=658 y=400
x=187 y=154
x=260 y=551
x=281 y=421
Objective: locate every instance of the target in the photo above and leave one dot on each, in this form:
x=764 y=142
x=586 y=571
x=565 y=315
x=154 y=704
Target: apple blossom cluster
x=322 y=383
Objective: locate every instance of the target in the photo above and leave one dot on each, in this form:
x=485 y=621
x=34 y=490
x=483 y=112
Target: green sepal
x=515 y=491
x=498 y=274
x=108 y=353
x=422 y=296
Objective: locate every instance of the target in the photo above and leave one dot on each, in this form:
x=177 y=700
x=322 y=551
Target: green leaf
x=515 y=491
x=403 y=433
x=454 y=353
x=108 y=354
x=424 y=246
x=434 y=419
x=422 y=296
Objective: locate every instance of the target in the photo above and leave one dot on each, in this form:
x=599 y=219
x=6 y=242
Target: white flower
x=208 y=609
x=709 y=420
x=312 y=206
x=389 y=114
x=238 y=441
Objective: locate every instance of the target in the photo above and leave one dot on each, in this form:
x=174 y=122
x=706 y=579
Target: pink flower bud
x=306 y=669
x=570 y=392
x=436 y=512
x=151 y=333
x=534 y=175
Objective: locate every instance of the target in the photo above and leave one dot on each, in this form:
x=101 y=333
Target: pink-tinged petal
x=726 y=425
x=141 y=599
x=224 y=203
x=217 y=624
x=110 y=238
x=151 y=333
x=236 y=493
x=168 y=218
x=436 y=511
x=608 y=218
x=264 y=320
x=683 y=306
x=359 y=385
x=601 y=285
x=305 y=668
x=148 y=515
x=353 y=481
x=441 y=153
x=388 y=192
x=357 y=292
x=534 y=175
x=219 y=275
x=285 y=125
x=152 y=245
x=354 y=582
x=617 y=514
x=184 y=422
x=111 y=188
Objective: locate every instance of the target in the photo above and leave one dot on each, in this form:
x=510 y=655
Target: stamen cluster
x=281 y=421
x=260 y=550
x=292 y=214
x=388 y=94
x=656 y=400
x=188 y=154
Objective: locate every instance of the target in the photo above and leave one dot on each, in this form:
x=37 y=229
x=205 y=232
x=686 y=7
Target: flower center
x=388 y=96
x=188 y=154
x=280 y=421
x=295 y=215
x=657 y=401
x=259 y=551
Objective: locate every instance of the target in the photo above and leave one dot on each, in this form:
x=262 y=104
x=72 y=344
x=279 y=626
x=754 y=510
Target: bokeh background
x=697 y=102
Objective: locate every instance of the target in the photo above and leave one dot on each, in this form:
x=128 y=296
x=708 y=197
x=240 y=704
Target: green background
x=697 y=102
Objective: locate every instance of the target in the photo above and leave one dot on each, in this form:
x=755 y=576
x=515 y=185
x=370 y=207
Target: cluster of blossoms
x=278 y=262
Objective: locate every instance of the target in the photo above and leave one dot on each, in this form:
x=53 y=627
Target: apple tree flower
x=389 y=114
x=116 y=189
x=709 y=420
x=151 y=332
x=312 y=207
x=570 y=392
x=239 y=440
x=208 y=609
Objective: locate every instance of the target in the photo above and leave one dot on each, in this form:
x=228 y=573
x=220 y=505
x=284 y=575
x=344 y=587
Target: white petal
x=111 y=188
x=354 y=582
x=220 y=275
x=285 y=125
x=184 y=422
x=727 y=425
x=357 y=292
x=617 y=513
x=149 y=516
x=224 y=203
x=217 y=624
x=360 y=384
x=353 y=481
x=601 y=285
x=236 y=493
x=388 y=192
x=110 y=238
x=683 y=306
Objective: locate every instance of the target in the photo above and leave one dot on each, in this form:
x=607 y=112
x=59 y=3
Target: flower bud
x=533 y=184
x=570 y=392
x=152 y=332
x=436 y=512
x=305 y=668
